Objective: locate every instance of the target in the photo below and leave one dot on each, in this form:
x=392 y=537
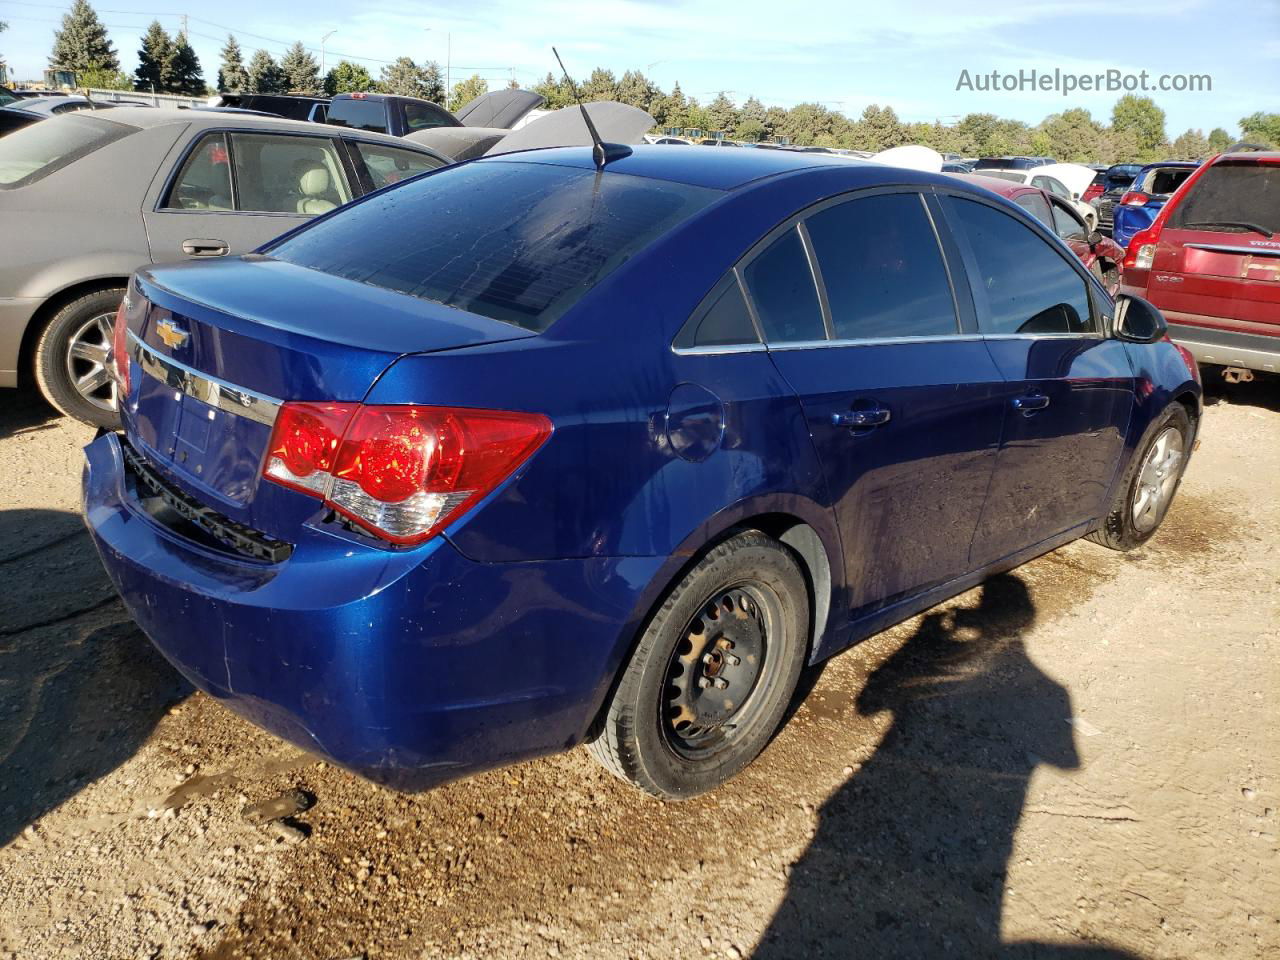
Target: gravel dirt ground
x=1078 y=758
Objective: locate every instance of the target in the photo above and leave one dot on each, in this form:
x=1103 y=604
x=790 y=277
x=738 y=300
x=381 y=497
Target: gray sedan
x=88 y=197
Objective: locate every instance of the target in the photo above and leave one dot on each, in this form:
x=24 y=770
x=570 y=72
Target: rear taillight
x=401 y=472
x=1091 y=192
x=120 y=347
x=1134 y=199
x=1141 y=253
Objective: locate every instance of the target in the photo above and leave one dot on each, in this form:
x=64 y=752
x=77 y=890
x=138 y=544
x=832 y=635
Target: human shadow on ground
x=81 y=688
x=911 y=855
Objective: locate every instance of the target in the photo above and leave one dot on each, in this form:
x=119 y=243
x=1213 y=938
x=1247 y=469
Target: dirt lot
x=1079 y=758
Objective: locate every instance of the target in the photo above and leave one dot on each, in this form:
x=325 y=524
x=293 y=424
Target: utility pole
x=322 y=40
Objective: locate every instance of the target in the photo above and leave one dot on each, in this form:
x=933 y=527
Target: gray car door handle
x=205 y=248
x=873 y=417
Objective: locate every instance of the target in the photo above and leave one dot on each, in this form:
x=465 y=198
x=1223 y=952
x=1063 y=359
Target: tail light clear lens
x=120 y=347
x=401 y=472
x=1133 y=199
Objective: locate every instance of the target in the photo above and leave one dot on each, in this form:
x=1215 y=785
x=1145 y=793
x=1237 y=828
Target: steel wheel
x=1157 y=479
x=87 y=361
x=713 y=673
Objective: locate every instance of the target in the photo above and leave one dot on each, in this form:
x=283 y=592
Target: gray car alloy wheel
x=1157 y=479
x=86 y=359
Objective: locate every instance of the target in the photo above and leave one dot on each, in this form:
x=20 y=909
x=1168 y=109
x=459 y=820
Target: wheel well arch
x=47 y=310
x=794 y=531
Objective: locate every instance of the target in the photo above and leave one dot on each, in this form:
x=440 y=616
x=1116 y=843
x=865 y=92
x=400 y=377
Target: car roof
x=197 y=119
x=718 y=169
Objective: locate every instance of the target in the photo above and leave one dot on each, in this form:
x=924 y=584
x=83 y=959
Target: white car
x=1051 y=177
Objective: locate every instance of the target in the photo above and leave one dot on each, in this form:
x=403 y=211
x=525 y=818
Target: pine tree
x=81 y=43
x=263 y=74
x=406 y=79
x=300 y=70
x=232 y=76
x=185 y=75
x=154 y=60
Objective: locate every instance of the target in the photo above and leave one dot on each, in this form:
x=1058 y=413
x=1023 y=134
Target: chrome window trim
x=219 y=394
x=1229 y=248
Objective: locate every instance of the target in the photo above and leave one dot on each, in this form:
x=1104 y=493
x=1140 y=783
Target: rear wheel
x=1149 y=483
x=713 y=673
x=71 y=359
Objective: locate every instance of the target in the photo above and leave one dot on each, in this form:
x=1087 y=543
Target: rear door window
x=34 y=152
x=515 y=241
x=1229 y=197
x=1022 y=285
x=370 y=115
x=883 y=270
x=781 y=285
x=288 y=174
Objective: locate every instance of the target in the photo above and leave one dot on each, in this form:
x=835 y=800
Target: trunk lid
x=217 y=347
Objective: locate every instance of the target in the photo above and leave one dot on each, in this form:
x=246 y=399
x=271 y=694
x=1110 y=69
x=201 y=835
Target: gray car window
x=204 y=183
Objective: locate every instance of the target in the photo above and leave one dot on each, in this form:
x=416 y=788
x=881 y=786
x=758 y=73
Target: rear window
x=36 y=151
x=1232 y=197
x=519 y=242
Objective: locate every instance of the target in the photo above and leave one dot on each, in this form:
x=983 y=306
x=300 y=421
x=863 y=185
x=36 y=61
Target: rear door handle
x=205 y=248
x=1030 y=402
x=870 y=417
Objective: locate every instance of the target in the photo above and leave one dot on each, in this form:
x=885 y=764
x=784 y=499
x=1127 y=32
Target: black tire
x=766 y=608
x=1121 y=529
x=54 y=373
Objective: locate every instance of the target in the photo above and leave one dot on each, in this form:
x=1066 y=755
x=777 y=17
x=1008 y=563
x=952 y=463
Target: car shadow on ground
x=81 y=688
x=911 y=855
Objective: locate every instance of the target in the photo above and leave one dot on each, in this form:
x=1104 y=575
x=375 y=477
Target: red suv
x=1211 y=262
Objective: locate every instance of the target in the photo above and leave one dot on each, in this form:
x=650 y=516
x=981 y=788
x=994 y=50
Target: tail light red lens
x=1133 y=199
x=401 y=472
x=120 y=347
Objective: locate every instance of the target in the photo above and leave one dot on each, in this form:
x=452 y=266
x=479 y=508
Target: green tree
x=602 y=85
x=722 y=114
x=185 y=75
x=1141 y=117
x=155 y=60
x=1219 y=140
x=81 y=43
x=1071 y=136
x=263 y=74
x=464 y=91
x=406 y=79
x=300 y=71
x=1192 y=145
x=348 y=77
x=1261 y=128
x=232 y=76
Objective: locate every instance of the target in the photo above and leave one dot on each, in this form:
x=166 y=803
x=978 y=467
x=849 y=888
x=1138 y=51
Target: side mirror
x=1138 y=321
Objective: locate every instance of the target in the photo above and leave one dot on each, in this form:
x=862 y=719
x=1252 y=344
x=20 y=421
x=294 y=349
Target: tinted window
x=281 y=174
x=1027 y=285
x=205 y=180
x=368 y=115
x=782 y=289
x=424 y=116
x=1229 y=195
x=36 y=151
x=520 y=242
x=1036 y=205
x=725 y=323
x=1067 y=225
x=882 y=268
x=388 y=165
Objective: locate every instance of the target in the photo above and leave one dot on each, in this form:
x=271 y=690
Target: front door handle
x=205 y=248
x=869 y=417
x=1030 y=402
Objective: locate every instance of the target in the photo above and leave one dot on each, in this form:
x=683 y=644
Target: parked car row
x=477 y=419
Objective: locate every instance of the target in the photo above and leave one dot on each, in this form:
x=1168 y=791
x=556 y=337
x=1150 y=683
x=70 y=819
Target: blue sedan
x=1146 y=197
x=526 y=452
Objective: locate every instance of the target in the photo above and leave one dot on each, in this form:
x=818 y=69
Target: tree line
x=1135 y=131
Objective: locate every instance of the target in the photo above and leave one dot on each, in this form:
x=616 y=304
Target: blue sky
x=907 y=53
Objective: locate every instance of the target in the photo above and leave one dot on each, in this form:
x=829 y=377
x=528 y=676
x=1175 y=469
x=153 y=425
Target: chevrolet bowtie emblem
x=171 y=335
